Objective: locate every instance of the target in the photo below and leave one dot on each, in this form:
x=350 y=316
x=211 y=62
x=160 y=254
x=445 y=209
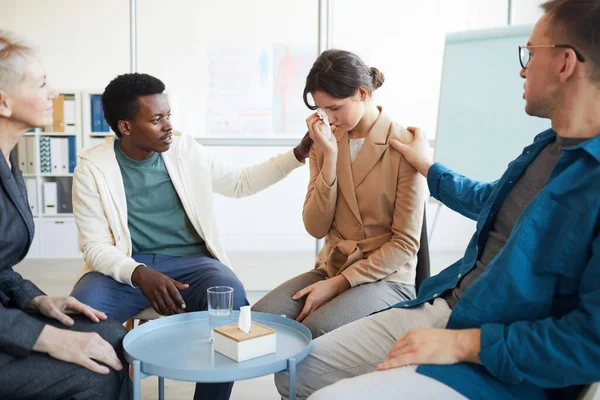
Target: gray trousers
x=354 y=351
x=355 y=303
x=39 y=376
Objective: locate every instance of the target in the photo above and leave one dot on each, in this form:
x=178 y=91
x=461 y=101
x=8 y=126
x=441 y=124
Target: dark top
x=18 y=330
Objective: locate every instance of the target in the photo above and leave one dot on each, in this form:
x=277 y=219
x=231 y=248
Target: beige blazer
x=372 y=215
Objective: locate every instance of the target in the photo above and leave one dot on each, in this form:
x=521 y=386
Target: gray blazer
x=18 y=330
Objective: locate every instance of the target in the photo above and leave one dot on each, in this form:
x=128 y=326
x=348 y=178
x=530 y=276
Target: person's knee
x=90 y=291
x=262 y=306
x=319 y=326
x=91 y=385
x=112 y=331
x=272 y=303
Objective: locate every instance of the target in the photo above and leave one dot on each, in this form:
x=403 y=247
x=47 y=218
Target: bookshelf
x=47 y=157
x=94 y=128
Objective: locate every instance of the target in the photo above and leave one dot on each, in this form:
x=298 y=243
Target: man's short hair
x=120 y=98
x=579 y=21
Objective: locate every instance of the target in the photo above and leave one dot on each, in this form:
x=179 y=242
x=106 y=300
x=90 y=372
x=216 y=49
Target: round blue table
x=177 y=347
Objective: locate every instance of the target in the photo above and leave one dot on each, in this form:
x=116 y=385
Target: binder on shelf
x=97 y=113
x=64 y=188
x=59 y=114
x=22 y=155
x=31 y=185
x=55 y=155
x=69 y=115
x=72 y=153
x=64 y=156
x=50 y=198
x=45 y=155
x=32 y=164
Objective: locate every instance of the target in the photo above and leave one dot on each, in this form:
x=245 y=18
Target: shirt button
x=358 y=227
x=509 y=181
x=527 y=151
x=435 y=294
x=459 y=275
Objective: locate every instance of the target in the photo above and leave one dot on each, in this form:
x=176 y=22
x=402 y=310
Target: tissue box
x=241 y=346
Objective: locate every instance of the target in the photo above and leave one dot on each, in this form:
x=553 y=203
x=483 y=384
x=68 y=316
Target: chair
x=143 y=316
x=423 y=262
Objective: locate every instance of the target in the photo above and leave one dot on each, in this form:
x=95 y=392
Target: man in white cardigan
x=143 y=204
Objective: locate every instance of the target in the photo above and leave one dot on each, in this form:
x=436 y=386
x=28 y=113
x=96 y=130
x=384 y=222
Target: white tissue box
x=241 y=346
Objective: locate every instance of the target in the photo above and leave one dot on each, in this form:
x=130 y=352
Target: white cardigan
x=100 y=206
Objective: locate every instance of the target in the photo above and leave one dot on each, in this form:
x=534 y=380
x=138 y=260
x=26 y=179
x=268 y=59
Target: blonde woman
x=44 y=353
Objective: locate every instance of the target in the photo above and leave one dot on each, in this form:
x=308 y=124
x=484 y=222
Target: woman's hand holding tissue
x=327 y=144
x=318 y=294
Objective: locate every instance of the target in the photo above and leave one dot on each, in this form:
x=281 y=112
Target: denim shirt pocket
x=551 y=236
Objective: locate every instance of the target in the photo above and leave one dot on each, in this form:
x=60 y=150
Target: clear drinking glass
x=220 y=307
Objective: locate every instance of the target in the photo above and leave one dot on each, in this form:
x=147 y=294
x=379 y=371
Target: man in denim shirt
x=519 y=315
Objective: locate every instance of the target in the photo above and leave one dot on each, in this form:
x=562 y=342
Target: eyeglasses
x=524 y=55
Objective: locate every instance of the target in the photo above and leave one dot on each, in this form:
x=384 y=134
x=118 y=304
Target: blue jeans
x=121 y=302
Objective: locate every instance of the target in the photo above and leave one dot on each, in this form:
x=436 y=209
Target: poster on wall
x=258 y=92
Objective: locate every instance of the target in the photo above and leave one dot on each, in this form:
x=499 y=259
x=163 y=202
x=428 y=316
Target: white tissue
x=245 y=320
x=325 y=128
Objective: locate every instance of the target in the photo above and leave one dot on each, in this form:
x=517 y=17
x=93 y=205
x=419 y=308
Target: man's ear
x=569 y=63
x=5 y=108
x=124 y=127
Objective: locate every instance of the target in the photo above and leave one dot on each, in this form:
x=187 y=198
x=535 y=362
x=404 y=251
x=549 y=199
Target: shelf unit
x=91 y=138
x=56 y=233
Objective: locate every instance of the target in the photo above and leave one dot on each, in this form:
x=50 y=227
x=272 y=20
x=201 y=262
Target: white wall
x=181 y=42
x=405 y=40
x=83 y=43
x=526 y=11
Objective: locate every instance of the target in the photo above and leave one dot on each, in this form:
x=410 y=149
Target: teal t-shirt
x=156 y=218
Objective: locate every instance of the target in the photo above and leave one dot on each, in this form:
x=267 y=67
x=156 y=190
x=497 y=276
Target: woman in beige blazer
x=364 y=199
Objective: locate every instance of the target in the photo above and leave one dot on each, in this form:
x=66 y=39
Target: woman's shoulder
x=400 y=133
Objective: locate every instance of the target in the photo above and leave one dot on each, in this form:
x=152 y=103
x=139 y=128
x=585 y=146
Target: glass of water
x=220 y=306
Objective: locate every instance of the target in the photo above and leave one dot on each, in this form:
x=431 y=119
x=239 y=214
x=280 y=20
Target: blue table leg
x=161 y=388
x=292 y=372
x=137 y=378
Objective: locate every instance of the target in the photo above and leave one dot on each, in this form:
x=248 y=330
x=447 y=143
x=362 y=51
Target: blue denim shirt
x=538 y=301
